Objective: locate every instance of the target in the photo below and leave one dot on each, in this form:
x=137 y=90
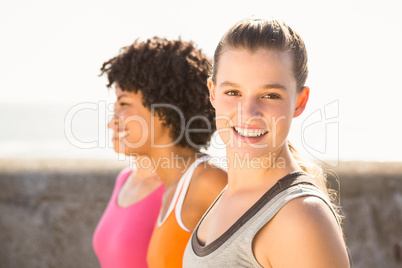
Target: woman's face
x=255 y=99
x=135 y=129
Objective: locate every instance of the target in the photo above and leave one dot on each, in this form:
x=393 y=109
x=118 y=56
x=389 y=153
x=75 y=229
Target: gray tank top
x=234 y=247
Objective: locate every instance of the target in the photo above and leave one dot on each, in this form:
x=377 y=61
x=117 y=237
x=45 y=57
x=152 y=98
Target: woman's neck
x=171 y=163
x=246 y=172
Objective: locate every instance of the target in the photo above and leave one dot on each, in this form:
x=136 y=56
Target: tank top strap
x=120 y=181
x=298 y=190
x=265 y=215
x=183 y=191
x=187 y=177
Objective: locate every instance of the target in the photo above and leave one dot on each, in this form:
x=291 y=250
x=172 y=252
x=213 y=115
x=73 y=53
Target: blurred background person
x=163 y=113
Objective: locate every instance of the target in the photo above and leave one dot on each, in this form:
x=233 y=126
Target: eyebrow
x=229 y=84
x=267 y=86
x=121 y=96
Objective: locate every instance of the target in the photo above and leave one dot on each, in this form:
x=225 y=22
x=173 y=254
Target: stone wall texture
x=50 y=208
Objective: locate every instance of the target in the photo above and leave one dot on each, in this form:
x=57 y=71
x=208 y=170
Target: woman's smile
x=249 y=134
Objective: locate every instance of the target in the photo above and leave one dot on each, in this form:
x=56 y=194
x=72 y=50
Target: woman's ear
x=211 y=88
x=302 y=101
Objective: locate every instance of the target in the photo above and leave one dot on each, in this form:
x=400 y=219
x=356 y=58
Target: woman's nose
x=113 y=122
x=249 y=109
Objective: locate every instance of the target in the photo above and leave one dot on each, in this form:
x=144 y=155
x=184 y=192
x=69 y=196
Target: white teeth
x=250 y=132
x=122 y=134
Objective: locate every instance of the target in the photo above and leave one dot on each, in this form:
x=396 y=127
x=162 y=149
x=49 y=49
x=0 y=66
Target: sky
x=51 y=52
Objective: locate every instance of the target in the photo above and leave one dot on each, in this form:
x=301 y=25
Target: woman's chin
x=120 y=149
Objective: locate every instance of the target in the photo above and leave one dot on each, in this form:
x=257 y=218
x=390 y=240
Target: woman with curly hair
x=163 y=118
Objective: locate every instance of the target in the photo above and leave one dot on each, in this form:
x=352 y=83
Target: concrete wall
x=49 y=209
x=371 y=197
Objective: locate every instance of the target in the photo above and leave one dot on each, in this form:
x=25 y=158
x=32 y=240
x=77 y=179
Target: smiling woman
x=273 y=206
x=163 y=115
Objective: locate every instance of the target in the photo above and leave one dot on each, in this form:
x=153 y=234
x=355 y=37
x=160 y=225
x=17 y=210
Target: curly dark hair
x=172 y=72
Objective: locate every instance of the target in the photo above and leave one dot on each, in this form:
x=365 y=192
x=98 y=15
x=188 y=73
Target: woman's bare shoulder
x=306 y=229
x=208 y=180
x=206 y=184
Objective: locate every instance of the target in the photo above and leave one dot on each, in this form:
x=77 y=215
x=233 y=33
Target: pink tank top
x=122 y=236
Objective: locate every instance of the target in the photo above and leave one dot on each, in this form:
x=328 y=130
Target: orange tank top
x=170 y=238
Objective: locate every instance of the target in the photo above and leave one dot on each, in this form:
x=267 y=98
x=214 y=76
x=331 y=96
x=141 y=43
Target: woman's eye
x=272 y=96
x=232 y=93
x=123 y=104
